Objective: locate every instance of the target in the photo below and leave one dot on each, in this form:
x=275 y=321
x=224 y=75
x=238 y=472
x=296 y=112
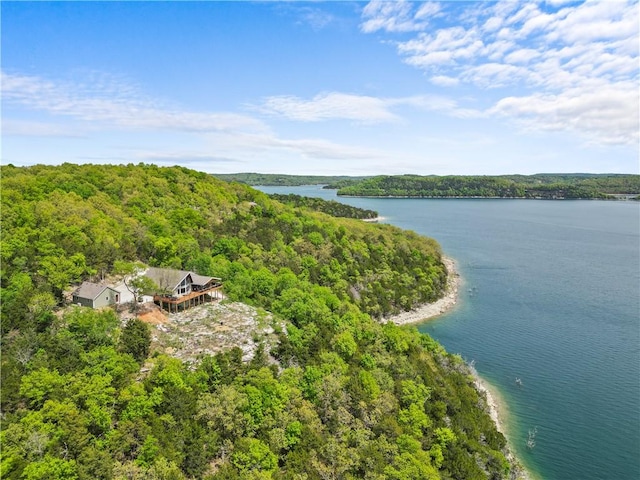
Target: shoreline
x=441 y=306
x=496 y=406
x=499 y=413
x=374 y=220
x=479 y=197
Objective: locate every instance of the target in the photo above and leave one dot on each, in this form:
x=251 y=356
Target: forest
x=331 y=207
x=541 y=186
x=341 y=396
x=275 y=179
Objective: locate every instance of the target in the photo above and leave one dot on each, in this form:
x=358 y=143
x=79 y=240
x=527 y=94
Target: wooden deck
x=175 y=304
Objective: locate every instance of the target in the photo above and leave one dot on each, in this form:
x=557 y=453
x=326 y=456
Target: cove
x=551 y=296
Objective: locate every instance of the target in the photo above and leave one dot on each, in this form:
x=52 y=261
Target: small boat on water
x=518 y=381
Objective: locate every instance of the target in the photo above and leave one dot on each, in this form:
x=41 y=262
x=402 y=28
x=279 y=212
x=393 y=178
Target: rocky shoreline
x=494 y=405
x=498 y=412
x=374 y=220
x=437 y=308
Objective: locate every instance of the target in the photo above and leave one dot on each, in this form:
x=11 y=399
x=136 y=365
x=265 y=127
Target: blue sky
x=348 y=88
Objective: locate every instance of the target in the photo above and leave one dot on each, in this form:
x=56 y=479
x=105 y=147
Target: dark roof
x=166 y=278
x=201 y=279
x=91 y=290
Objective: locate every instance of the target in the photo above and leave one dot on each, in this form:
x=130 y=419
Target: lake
x=551 y=296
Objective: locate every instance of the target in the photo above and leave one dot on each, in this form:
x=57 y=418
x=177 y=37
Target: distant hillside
x=330 y=207
x=274 y=179
x=545 y=186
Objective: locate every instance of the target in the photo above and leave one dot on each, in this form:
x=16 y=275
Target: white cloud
x=428 y=10
x=608 y=116
x=498 y=16
x=397 y=16
x=318 y=19
x=492 y=24
x=113 y=103
x=496 y=50
x=24 y=128
x=248 y=145
x=324 y=149
x=523 y=14
x=556 y=3
x=495 y=75
x=330 y=106
x=436 y=103
x=523 y=55
x=444 y=81
x=448 y=47
x=561 y=55
x=537 y=22
x=110 y=105
x=596 y=20
x=359 y=108
x=432 y=58
x=181 y=158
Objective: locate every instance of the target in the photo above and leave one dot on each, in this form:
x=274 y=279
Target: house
x=182 y=288
x=95 y=295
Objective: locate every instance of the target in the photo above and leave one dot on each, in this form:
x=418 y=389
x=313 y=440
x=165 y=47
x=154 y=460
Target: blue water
x=551 y=296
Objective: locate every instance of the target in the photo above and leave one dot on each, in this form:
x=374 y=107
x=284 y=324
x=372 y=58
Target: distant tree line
x=545 y=186
x=272 y=179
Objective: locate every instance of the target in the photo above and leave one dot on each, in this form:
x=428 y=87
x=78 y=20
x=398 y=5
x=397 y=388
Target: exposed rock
x=211 y=328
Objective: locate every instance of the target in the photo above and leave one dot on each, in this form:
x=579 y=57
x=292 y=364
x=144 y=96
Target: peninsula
x=325 y=387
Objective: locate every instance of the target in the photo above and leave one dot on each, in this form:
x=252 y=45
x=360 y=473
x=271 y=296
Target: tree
x=136 y=339
x=41 y=385
x=15 y=296
x=60 y=271
x=224 y=412
x=95 y=464
x=252 y=454
x=51 y=468
x=40 y=307
x=92 y=328
x=133 y=279
x=140 y=285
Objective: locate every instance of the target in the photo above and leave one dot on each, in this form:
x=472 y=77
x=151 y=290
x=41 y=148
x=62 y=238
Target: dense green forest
x=545 y=186
x=542 y=185
x=331 y=207
x=341 y=396
x=276 y=179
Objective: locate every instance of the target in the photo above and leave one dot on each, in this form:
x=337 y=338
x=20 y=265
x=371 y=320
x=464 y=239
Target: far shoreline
x=624 y=198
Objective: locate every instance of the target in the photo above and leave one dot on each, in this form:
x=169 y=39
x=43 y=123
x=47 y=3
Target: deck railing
x=195 y=297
